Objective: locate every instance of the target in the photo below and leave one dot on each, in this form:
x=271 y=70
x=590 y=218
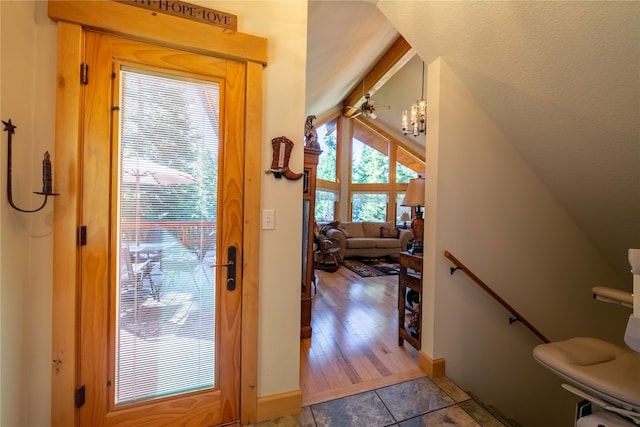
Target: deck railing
x=189 y=233
x=516 y=316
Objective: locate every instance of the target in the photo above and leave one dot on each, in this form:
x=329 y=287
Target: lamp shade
x=414 y=197
x=405 y=216
x=415 y=193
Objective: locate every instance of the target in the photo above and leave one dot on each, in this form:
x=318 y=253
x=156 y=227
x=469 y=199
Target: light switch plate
x=268 y=219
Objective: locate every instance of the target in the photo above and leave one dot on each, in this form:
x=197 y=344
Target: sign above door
x=188 y=11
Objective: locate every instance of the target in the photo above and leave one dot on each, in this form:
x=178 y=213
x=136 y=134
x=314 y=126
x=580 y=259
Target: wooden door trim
x=117 y=18
x=66 y=218
x=251 y=246
x=68 y=206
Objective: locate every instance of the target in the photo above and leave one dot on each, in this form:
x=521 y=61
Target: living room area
x=362 y=223
x=361 y=219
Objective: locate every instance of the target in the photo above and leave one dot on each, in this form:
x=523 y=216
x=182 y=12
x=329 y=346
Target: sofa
x=368 y=239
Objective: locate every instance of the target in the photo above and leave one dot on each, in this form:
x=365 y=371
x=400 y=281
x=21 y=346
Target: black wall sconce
x=47 y=182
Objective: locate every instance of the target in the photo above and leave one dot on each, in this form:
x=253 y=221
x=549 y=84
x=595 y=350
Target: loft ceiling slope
x=393 y=60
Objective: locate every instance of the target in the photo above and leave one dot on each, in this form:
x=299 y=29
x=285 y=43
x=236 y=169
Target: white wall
x=27 y=93
x=486 y=207
x=284 y=24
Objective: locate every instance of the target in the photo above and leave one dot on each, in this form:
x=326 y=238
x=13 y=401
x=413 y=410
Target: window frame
x=392 y=188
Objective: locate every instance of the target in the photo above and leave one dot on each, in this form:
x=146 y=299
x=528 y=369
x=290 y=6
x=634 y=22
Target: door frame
x=165 y=30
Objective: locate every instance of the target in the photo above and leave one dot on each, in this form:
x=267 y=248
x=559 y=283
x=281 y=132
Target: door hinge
x=84 y=74
x=80 y=397
x=82 y=235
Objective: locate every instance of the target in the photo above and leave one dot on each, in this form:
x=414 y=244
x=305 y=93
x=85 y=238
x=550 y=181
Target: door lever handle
x=229 y=264
x=231 y=268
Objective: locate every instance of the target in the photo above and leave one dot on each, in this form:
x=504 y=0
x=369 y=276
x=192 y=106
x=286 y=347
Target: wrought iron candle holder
x=47 y=182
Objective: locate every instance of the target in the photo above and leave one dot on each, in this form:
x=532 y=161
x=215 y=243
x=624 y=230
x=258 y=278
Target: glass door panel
x=167 y=192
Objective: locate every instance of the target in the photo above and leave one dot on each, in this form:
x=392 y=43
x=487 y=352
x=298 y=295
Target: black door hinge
x=84 y=74
x=82 y=235
x=79 y=397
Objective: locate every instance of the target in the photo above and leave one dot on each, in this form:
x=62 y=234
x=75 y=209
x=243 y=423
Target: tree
x=373 y=167
x=369 y=207
x=327 y=163
x=404 y=174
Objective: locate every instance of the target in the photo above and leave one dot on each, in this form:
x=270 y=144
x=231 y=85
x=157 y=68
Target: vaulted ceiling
x=561 y=79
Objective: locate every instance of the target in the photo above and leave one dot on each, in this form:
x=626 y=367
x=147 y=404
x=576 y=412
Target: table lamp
x=404 y=218
x=414 y=197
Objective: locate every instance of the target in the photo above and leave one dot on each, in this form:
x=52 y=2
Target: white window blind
x=168 y=169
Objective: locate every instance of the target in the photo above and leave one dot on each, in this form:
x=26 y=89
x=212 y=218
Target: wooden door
x=160 y=294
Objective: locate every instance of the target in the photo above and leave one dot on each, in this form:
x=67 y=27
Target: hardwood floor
x=354 y=344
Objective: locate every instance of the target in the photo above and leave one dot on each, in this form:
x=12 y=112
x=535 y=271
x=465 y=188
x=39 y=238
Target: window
x=407 y=166
x=369 y=157
x=168 y=195
x=325 y=205
x=369 y=206
x=327 y=174
x=328 y=139
x=381 y=170
x=401 y=209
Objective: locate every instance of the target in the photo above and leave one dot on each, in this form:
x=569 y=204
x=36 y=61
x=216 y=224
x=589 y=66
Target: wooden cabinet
x=410 y=299
x=311 y=156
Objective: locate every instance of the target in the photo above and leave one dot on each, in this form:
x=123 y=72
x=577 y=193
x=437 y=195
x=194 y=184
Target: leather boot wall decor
x=282 y=147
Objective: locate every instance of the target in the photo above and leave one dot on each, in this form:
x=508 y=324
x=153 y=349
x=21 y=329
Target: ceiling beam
x=393 y=60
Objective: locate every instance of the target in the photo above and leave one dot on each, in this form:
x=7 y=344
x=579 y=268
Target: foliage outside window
x=370 y=166
x=369 y=206
x=403 y=173
x=327 y=137
x=407 y=166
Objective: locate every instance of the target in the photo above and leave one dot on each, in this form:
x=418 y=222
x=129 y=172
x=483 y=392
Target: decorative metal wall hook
x=47 y=183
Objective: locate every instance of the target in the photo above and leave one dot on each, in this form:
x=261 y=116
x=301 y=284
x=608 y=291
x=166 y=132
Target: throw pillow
x=389 y=233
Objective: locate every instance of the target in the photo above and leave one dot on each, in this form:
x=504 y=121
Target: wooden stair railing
x=487 y=289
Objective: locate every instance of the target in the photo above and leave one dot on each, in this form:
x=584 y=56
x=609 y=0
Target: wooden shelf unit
x=311 y=156
x=410 y=278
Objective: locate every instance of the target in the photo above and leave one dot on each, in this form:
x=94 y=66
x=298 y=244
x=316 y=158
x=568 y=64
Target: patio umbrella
x=147 y=172
x=144 y=171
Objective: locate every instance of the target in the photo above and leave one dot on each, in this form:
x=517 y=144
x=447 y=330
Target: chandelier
x=415 y=119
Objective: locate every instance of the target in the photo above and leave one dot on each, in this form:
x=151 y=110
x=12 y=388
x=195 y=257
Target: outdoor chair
x=179 y=267
x=135 y=271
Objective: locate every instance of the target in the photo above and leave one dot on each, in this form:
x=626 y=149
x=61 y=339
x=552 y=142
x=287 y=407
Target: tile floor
x=415 y=403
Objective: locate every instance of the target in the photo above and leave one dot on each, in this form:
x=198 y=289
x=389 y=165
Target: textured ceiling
x=561 y=79
x=344 y=40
